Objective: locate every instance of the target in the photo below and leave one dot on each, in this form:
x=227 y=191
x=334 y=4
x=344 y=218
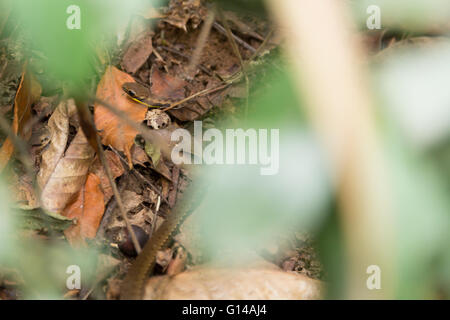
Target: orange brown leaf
x=117 y=170
x=28 y=93
x=87 y=210
x=113 y=130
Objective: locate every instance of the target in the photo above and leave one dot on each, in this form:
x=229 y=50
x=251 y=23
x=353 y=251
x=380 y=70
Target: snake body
x=143 y=95
x=134 y=283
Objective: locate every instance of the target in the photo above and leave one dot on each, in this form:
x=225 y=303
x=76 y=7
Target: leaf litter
x=74 y=185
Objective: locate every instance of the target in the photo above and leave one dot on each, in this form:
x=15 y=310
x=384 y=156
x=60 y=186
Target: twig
x=262 y=45
x=175 y=51
x=158 y=204
x=158 y=56
x=222 y=30
x=197 y=94
x=117 y=196
x=81 y=103
x=140 y=176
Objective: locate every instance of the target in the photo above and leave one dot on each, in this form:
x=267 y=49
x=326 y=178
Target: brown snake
x=134 y=283
x=143 y=95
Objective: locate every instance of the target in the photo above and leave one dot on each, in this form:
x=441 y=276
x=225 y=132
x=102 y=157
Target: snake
x=133 y=284
x=143 y=95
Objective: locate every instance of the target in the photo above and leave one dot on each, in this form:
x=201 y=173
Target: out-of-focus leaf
x=5 y=10
x=418 y=15
x=6 y=225
x=29 y=92
x=68 y=45
x=37 y=220
x=87 y=208
x=255 y=209
x=153 y=152
x=113 y=130
x=411 y=79
x=63 y=172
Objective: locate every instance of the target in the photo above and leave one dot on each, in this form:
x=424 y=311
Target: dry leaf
x=263 y=281
x=167 y=86
x=24 y=194
x=28 y=93
x=113 y=130
x=138 y=52
x=116 y=170
x=63 y=172
x=139 y=156
x=181 y=11
x=87 y=208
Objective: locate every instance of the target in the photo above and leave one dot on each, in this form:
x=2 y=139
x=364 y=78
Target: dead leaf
x=63 y=172
x=166 y=86
x=28 y=93
x=178 y=263
x=44 y=107
x=113 y=130
x=24 y=194
x=181 y=11
x=138 y=52
x=262 y=281
x=139 y=156
x=117 y=170
x=87 y=208
x=195 y=108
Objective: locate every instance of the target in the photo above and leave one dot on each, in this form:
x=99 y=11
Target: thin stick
x=200 y=93
x=117 y=195
x=222 y=30
x=200 y=44
x=140 y=176
x=262 y=45
x=175 y=51
x=158 y=204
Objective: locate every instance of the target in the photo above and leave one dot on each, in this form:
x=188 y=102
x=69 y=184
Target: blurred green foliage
x=70 y=52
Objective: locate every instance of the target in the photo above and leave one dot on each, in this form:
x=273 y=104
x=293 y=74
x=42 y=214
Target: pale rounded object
x=157 y=119
x=263 y=281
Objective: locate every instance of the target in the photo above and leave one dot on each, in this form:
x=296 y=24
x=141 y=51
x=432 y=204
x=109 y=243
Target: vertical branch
x=328 y=67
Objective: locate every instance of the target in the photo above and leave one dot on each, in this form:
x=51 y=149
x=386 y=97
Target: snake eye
x=132 y=93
